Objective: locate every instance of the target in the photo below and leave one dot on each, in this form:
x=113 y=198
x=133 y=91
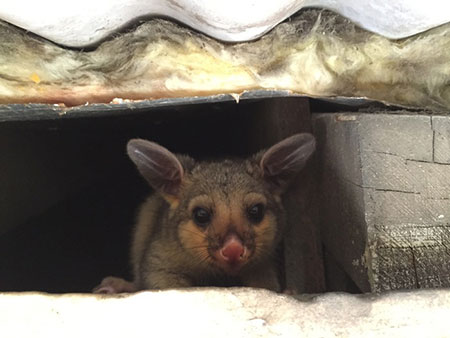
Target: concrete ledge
x=225 y=313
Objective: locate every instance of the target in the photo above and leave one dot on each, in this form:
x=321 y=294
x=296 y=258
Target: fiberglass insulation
x=315 y=53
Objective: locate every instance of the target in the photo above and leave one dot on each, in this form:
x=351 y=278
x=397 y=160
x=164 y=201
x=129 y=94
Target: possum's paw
x=112 y=285
x=290 y=292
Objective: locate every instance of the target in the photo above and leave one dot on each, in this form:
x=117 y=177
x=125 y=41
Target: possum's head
x=228 y=214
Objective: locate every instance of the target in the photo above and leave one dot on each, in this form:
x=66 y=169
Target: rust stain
x=35 y=78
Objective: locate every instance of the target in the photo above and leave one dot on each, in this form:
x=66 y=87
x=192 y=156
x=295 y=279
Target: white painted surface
x=225 y=313
x=84 y=22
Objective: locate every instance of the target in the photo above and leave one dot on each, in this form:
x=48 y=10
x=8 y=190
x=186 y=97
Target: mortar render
x=224 y=313
x=315 y=53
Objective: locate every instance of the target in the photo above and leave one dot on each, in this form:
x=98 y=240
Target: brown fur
x=180 y=245
x=171 y=249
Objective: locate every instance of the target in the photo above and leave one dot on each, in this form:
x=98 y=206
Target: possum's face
x=227 y=217
x=228 y=214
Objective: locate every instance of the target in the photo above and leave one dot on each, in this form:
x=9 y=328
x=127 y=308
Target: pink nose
x=232 y=250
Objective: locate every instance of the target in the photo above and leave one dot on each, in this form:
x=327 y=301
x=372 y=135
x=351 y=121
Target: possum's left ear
x=281 y=162
x=161 y=168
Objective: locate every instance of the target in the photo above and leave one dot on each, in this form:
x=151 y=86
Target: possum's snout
x=233 y=250
x=232 y=255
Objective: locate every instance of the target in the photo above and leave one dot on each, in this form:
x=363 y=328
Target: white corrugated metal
x=84 y=22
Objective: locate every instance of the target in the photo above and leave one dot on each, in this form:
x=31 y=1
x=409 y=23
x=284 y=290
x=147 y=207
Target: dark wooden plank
x=275 y=120
x=34 y=112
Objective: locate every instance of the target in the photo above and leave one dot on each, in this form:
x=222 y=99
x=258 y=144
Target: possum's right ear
x=161 y=168
x=281 y=162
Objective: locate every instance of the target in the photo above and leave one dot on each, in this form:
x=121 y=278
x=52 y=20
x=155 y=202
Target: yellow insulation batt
x=315 y=53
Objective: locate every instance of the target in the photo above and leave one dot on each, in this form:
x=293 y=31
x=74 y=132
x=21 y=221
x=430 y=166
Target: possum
x=210 y=223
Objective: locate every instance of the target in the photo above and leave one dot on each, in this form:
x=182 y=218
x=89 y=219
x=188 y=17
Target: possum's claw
x=113 y=285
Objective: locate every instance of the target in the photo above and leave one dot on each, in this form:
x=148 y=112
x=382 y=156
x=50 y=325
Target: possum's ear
x=281 y=162
x=161 y=168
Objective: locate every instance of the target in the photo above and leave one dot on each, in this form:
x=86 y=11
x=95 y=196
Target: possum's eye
x=201 y=216
x=256 y=213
